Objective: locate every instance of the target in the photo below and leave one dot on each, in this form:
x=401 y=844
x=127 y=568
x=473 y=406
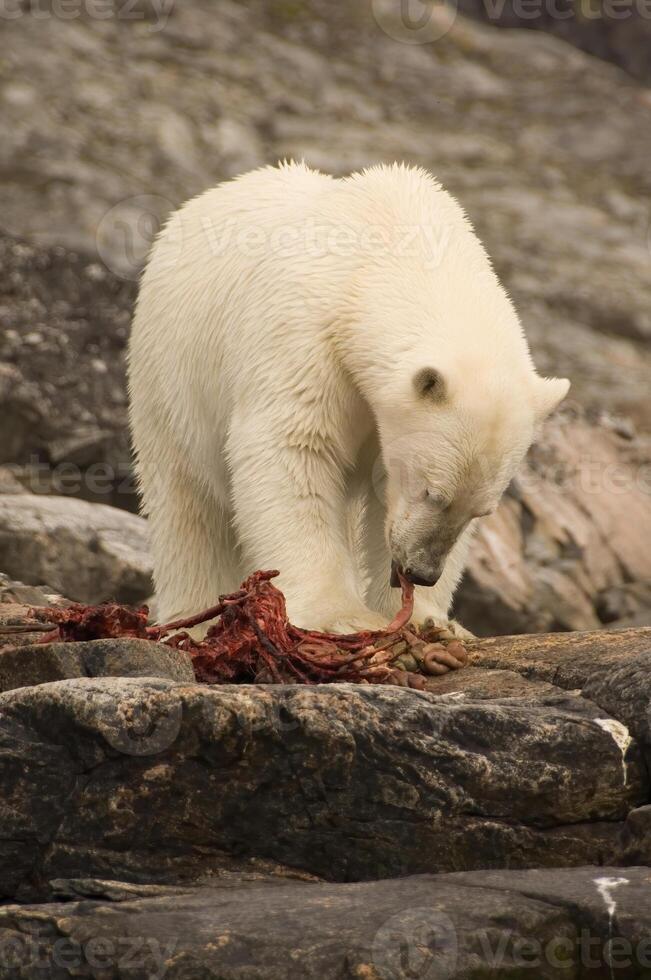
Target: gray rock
x=613 y=669
x=26 y=665
x=88 y=552
x=548 y=924
x=152 y=781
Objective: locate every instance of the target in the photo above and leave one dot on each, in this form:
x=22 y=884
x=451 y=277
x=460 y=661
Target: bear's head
x=451 y=443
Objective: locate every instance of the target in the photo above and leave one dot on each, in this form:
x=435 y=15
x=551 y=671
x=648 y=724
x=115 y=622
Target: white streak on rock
x=605 y=887
x=621 y=735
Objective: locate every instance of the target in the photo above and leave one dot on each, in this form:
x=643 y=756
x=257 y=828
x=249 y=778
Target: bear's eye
x=437 y=499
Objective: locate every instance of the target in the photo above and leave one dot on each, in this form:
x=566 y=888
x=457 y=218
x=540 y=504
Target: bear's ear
x=430 y=383
x=550 y=392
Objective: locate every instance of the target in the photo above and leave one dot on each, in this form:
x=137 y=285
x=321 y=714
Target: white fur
x=281 y=321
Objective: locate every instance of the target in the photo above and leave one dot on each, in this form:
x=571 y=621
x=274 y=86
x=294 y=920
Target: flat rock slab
x=39 y=663
x=611 y=668
x=151 y=780
x=587 y=922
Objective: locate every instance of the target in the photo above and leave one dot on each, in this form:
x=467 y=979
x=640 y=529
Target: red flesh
x=251 y=640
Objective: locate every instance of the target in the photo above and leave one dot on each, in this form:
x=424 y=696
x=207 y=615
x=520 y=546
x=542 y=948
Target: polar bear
x=326 y=377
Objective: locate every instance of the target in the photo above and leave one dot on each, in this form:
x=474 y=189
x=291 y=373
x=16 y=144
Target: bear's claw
x=446 y=629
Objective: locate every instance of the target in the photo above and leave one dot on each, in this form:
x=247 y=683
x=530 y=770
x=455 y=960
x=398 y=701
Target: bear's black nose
x=417 y=579
x=410 y=575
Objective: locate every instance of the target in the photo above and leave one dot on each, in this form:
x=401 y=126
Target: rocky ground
x=121 y=766
x=497 y=824
x=551 y=924
x=148 y=823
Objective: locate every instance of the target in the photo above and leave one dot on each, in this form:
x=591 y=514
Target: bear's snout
x=412 y=575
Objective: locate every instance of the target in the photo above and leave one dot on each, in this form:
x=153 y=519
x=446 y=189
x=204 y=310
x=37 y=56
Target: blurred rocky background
x=114 y=113
x=618 y=32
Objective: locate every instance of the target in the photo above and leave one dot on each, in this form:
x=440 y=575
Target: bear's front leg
x=432 y=605
x=429 y=619
x=290 y=514
x=346 y=617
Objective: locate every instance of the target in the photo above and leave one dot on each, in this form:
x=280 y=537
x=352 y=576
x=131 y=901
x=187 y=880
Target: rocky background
x=247 y=831
x=617 y=32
